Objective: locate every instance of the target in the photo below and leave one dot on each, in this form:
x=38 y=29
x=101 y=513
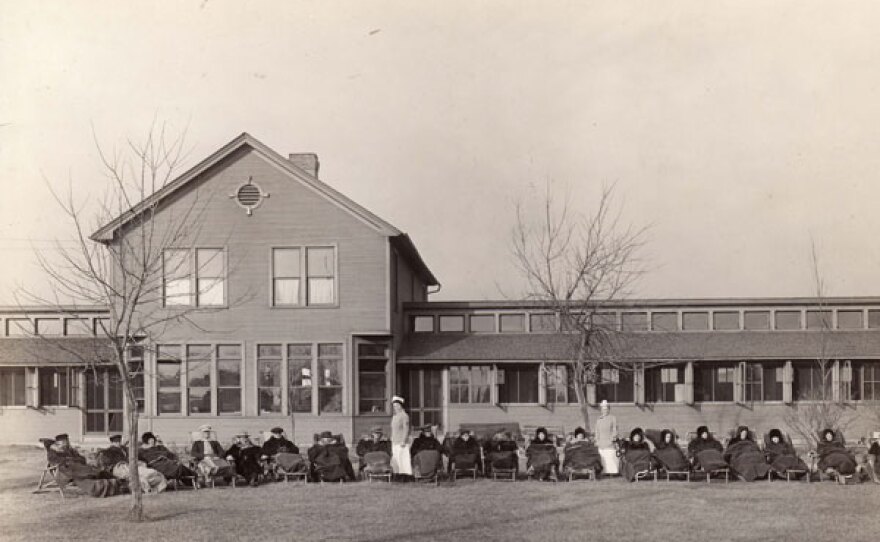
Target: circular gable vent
x=249 y=196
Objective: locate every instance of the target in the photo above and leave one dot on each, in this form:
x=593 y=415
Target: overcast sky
x=737 y=130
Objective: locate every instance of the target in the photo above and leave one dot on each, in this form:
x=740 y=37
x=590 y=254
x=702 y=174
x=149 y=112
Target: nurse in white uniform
x=400 y=429
x=606 y=433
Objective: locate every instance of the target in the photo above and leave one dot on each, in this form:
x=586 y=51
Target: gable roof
x=106 y=233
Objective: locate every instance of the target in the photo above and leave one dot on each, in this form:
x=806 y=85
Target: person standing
x=606 y=434
x=400 y=429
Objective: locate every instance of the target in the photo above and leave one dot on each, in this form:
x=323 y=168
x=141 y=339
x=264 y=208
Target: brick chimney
x=306 y=161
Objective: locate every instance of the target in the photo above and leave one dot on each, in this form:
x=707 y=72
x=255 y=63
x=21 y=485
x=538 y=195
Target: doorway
x=423 y=390
x=104 y=402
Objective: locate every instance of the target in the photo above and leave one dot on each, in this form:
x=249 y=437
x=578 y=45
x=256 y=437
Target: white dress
x=606 y=430
x=400 y=458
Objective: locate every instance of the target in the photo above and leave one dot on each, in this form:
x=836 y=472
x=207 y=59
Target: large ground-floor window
x=198 y=379
x=302 y=371
x=615 y=384
x=813 y=381
x=661 y=382
x=714 y=381
x=373 y=360
x=470 y=384
x=764 y=381
x=518 y=383
x=865 y=380
x=12 y=386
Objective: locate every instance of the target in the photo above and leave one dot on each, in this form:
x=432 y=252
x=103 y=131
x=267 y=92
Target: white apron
x=400 y=459
x=609 y=461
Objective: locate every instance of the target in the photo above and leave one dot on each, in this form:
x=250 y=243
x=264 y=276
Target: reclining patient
x=874 y=457
x=781 y=454
x=501 y=452
x=669 y=454
x=834 y=459
x=426 y=452
x=329 y=459
x=744 y=457
x=636 y=455
x=542 y=460
x=705 y=452
x=209 y=456
x=72 y=468
x=581 y=455
x=158 y=457
x=282 y=452
x=374 y=453
x=465 y=452
x=246 y=458
x=114 y=459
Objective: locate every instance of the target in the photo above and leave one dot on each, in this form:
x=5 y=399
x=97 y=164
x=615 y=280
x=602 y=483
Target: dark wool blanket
x=503 y=460
x=782 y=457
x=634 y=461
x=582 y=455
x=833 y=455
x=541 y=459
x=426 y=463
x=747 y=460
x=671 y=458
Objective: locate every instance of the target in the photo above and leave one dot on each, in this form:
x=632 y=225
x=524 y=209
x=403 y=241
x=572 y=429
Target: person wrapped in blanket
x=874 y=457
x=114 y=459
x=635 y=455
x=669 y=454
x=781 y=455
x=374 y=452
x=581 y=455
x=465 y=452
x=209 y=457
x=745 y=458
x=157 y=456
x=501 y=452
x=245 y=456
x=72 y=469
x=542 y=460
x=705 y=452
x=426 y=453
x=834 y=459
x=283 y=453
x=329 y=459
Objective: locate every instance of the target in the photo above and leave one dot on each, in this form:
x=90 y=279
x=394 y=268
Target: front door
x=423 y=391
x=104 y=400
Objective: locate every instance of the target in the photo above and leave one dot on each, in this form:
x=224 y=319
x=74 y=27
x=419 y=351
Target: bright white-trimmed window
x=169 y=368
x=12 y=386
x=303 y=276
x=228 y=379
x=329 y=378
x=194 y=277
x=269 y=379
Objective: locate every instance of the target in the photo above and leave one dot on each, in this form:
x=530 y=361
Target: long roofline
x=105 y=233
x=647 y=302
x=73 y=309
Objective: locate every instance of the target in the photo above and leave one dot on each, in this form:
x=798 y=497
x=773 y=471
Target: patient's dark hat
x=115 y=438
x=62 y=436
x=325 y=434
x=147 y=437
x=276 y=430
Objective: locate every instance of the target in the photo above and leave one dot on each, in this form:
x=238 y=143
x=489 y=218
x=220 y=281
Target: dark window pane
x=664 y=321
x=199 y=400
x=695 y=321
x=819 y=320
x=169 y=402
x=756 y=320
x=95 y=422
x=229 y=351
x=542 y=322
x=116 y=421
x=298 y=351
x=300 y=399
x=330 y=399
x=788 y=320
x=605 y=320
x=228 y=373
x=849 y=319
x=634 y=321
x=452 y=323
x=874 y=319
x=513 y=323
x=229 y=400
x=270 y=400
x=725 y=321
x=482 y=323
x=269 y=351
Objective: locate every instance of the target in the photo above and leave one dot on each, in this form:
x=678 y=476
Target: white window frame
x=303 y=299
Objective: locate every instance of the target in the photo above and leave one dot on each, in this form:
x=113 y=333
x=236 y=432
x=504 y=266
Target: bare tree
x=820 y=407
x=577 y=266
x=125 y=271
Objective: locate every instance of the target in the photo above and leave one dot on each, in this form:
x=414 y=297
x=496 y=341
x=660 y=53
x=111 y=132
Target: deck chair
x=789 y=474
x=642 y=474
x=427 y=465
x=225 y=469
x=709 y=474
x=462 y=463
x=666 y=459
x=49 y=477
x=329 y=472
x=823 y=476
x=542 y=458
x=284 y=466
x=377 y=467
x=502 y=460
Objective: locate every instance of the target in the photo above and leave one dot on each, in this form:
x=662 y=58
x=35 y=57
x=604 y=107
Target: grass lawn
x=482 y=510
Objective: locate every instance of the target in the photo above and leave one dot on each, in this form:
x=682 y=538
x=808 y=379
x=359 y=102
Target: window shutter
x=31 y=379
x=787 y=378
x=591 y=394
x=639 y=383
x=835 y=382
x=542 y=385
x=739 y=373
x=74 y=397
x=846 y=381
x=498 y=375
x=689 y=383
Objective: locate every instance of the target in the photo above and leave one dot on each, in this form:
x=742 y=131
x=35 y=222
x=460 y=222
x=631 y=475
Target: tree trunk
x=136 y=512
x=580 y=389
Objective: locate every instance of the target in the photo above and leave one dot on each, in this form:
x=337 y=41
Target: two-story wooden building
x=307 y=311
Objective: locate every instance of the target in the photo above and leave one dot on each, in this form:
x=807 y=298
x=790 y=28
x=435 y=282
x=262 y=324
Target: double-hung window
x=469 y=384
x=169 y=368
x=303 y=276
x=12 y=386
x=194 y=277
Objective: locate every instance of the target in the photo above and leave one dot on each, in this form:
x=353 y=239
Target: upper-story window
x=194 y=277
x=292 y=287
